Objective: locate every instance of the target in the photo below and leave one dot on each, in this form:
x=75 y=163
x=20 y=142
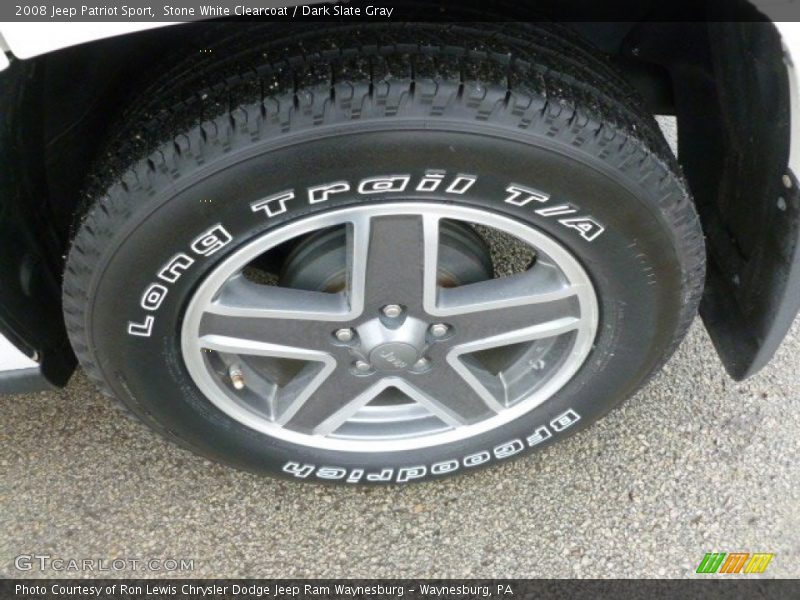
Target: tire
x=531 y=132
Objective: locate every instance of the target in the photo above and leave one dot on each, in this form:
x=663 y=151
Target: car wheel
x=382 y=254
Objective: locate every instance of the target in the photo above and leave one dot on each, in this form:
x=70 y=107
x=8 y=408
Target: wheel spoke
x=292 y=333
x=463 y=404
x=246 y=346
x=540 y=283
x=319 y=366
x=396 y=262
x=529 y=305
x=519 y=323
x=241 y=297
x=288 y=317
x=322 y=409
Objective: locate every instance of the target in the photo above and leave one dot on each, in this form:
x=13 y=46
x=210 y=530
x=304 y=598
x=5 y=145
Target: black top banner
x=386 y=589
x=154 y=11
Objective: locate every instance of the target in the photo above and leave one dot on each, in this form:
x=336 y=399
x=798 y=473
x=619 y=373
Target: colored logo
x=734 y=563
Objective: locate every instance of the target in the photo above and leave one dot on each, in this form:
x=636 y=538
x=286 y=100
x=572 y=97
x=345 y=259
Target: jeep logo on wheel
x=394 y=356
x=389 y=356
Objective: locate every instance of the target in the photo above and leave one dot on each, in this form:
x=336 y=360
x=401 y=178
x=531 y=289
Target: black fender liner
x=732 y=100
x=30 y=276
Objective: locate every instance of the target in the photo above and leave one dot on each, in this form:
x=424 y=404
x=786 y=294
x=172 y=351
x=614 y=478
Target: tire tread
x=529 y=77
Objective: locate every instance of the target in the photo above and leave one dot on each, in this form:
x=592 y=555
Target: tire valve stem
x=237 y=377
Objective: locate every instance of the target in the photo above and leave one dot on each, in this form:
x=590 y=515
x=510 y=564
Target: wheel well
x=76 y=120
x=68 y=101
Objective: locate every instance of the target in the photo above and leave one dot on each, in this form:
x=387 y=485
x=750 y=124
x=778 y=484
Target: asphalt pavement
x=694 y=463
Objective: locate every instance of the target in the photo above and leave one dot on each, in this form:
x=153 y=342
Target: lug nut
x=422 y=364
x=237 y=377
x=392 y=311
x=345 y=335
x=439 y=330
x=362 y=366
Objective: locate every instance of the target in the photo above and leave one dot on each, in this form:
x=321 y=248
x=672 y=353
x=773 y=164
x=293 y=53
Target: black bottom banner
x=387 y=589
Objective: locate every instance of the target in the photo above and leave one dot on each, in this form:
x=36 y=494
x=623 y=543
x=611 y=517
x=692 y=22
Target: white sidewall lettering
x=143 y=329
x=211 y=241
x=522 y=196
x=331 y=473
x=403 y=475
x=384 y=185
x=508 y=449
x=322 y=193
x=153 y=297
x=274 y=205
x=173 y=270
x=565 y=420
x=473 y=460
x=206 y=244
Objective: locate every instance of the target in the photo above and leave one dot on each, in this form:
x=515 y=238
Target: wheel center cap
x=393 y=357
